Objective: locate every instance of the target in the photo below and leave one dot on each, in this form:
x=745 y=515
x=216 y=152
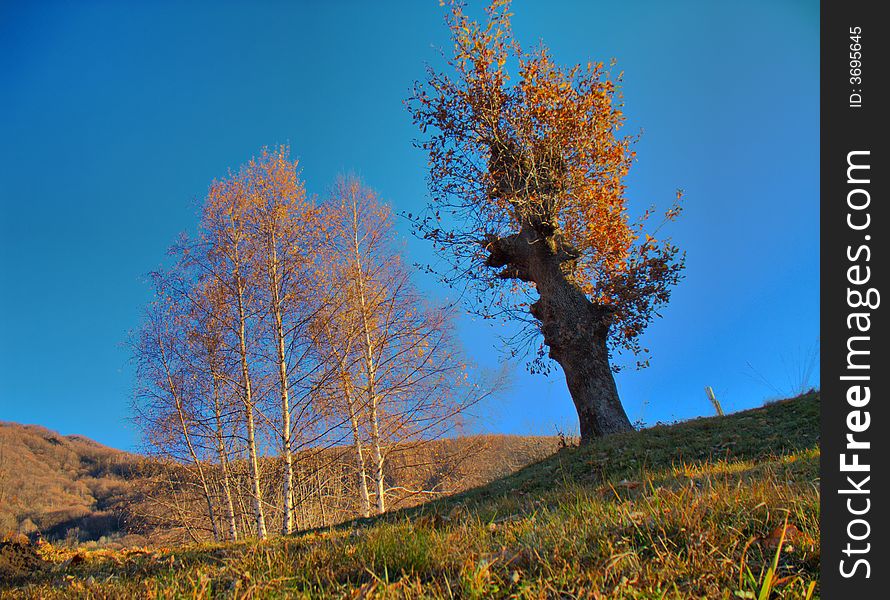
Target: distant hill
x=59 y=487
x=55 y=485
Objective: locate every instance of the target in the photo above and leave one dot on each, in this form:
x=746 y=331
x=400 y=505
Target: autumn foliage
x=516 y=141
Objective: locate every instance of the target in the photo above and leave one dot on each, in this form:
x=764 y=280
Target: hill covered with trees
x=62 y=487
x=70 y=489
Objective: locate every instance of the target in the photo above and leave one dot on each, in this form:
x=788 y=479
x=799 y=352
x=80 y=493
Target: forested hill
x=53 y=484
x=72 y=488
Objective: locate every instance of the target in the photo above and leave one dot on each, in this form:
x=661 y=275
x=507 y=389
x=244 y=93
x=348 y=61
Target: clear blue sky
x=115 y=117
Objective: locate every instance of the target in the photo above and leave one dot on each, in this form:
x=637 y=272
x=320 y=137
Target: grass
x=725 y=507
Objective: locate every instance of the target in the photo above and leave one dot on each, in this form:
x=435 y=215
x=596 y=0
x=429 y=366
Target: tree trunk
x=575 y=329
x=286 y=434
x=378 y=460
x=180 y=412
x=205 y=488
x=353 y=414
x=370 y=367
x=250 y=424
x=585 y=363
x=359 y=457
x=223 y=461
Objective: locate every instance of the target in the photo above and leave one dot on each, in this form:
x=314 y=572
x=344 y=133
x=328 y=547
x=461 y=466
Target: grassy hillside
x=724 y=507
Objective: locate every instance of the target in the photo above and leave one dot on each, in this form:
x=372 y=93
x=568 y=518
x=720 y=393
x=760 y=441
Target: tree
x=224 y=252
x=208 y=337
x=401 y=374
x=526 y=176
x=285 y=234
x=282 y=329
x=170 y=408
x=337 y=334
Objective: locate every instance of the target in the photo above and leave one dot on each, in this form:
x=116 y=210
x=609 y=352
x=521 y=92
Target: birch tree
x=208 y=337
x=224 y=251
x=285 y=236
x=401 y=371
x=170 y=405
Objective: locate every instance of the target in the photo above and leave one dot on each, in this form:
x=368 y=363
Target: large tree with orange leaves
x=528 y=205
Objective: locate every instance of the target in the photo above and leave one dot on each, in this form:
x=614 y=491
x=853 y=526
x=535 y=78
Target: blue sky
x=115 y=117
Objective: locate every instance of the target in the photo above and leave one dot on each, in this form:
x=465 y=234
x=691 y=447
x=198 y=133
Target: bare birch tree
x=285 y=235
x=288 y=353
x=167 y=387
x=223 y=251
x=399 y=364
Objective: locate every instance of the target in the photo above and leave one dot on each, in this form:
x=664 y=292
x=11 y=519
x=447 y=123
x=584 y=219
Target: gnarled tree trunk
x=575 y=329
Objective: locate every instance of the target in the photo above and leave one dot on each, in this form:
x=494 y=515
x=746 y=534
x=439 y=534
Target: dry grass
x=714 y=508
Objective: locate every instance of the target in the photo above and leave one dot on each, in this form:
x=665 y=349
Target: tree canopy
x=519 y=143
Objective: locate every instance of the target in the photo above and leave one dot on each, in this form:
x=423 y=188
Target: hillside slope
x=55 y=484
x=69 y=487
x=724 y=507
